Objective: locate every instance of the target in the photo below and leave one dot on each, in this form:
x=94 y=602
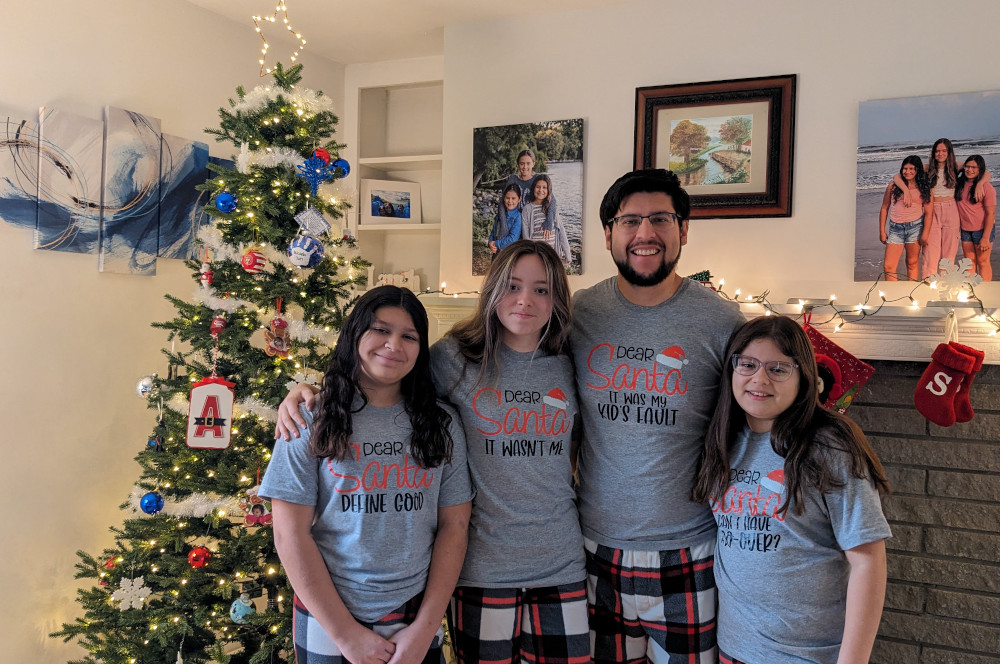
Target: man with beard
x=649 y=348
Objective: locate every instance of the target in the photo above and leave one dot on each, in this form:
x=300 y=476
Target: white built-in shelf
x=413 y=228
x=420 y=162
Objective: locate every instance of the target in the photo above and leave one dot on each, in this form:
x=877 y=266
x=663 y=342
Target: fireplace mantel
x=895 y=333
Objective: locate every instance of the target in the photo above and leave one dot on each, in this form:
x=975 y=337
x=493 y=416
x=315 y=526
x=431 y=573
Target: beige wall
x=589 y=63
x=76 y=340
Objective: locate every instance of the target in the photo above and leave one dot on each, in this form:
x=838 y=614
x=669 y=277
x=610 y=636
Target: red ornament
x=110 y=563
x=199 y=556
x=206 y=275
x=217 y=326
x=323 y=154
x=253 y=261
x=102 y=582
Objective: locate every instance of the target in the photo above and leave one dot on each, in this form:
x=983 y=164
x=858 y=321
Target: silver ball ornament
x=144 y=386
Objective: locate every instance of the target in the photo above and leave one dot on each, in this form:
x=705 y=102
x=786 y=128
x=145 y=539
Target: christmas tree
x=193 y=575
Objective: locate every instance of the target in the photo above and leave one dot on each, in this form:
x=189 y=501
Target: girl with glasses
x=976 y=216
x=800 y=564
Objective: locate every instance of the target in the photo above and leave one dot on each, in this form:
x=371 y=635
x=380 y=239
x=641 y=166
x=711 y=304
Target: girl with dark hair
x=507 y=225
x=371 y=506
x=522 y=593
x=540 y=220
x=800 y=565
x=902 y=226
x=976 y=216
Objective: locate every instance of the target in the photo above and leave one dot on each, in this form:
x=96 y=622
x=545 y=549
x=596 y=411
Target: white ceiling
x=351 y=31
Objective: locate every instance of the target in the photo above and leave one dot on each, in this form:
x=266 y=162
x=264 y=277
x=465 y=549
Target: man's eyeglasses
x=630 y=223
x=777 y=370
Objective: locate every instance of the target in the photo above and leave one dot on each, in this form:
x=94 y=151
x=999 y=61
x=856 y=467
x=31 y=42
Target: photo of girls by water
x=902 y=220
x=944 y=132
x=521 y=156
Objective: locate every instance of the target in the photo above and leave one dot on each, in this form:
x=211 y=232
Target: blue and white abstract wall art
x=18 y=170
x=183 y=166
x=69 y=181
x=130 y=203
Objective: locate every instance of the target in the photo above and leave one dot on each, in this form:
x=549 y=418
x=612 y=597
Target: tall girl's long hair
x=479 y=337
x=803 y=434
x=950 y=175
x=960 y=182
x=430 y=440
x=547 y=201
x=920 y=179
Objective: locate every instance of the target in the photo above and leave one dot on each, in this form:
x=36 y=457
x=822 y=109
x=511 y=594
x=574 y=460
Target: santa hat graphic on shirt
x=672 y=358
x=775 y=481
x=555 y=398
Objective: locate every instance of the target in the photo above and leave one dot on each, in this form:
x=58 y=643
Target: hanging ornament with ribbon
x=279 y=340
x=210 y=414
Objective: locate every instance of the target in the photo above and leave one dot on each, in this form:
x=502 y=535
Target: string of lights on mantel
x=443 y=291
x=964 y=297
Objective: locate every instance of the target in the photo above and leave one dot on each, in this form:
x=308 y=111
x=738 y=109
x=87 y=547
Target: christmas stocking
x=963 y=407
x=935 y=393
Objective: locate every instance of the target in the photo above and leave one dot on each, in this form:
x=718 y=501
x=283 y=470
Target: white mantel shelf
x=895 y=333
x=899 y=333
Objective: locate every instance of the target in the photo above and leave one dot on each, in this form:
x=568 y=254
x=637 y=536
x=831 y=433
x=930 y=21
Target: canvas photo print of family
x=925 y=197
x=527 y=183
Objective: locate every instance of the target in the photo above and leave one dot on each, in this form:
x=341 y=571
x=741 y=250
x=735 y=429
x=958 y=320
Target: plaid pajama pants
x=314 y=646
x=652 y=606
x=726 y=659
x=511 y=625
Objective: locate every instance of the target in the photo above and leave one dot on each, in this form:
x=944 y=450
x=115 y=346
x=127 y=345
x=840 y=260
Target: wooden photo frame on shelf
x=389 y=202
x=730 y=142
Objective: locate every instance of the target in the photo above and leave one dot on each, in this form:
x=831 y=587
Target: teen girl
x=902 y=226
x=539 y=219
x=371 y=506
x=522 y=593
x=507 y=225
x=521 y=596
x=800 y=564
x=976 y=217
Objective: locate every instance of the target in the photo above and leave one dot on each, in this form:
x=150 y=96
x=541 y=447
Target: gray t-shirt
x=376 y=511
x=524 y=531
x=782 y=579
x=648 y=380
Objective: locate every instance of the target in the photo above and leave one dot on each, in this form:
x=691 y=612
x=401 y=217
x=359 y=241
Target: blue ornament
x=225 y=202
x=314 y=171
x=305 y=251
x=342 y=165
x=241 y=609
x=151 y=503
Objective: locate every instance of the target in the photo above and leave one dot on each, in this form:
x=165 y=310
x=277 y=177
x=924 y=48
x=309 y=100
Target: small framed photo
x=389 y=202
x=731 y=143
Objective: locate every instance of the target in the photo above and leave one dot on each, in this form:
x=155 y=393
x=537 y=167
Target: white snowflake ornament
x=952 y=278
x=132 y=593
x=308 y=377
